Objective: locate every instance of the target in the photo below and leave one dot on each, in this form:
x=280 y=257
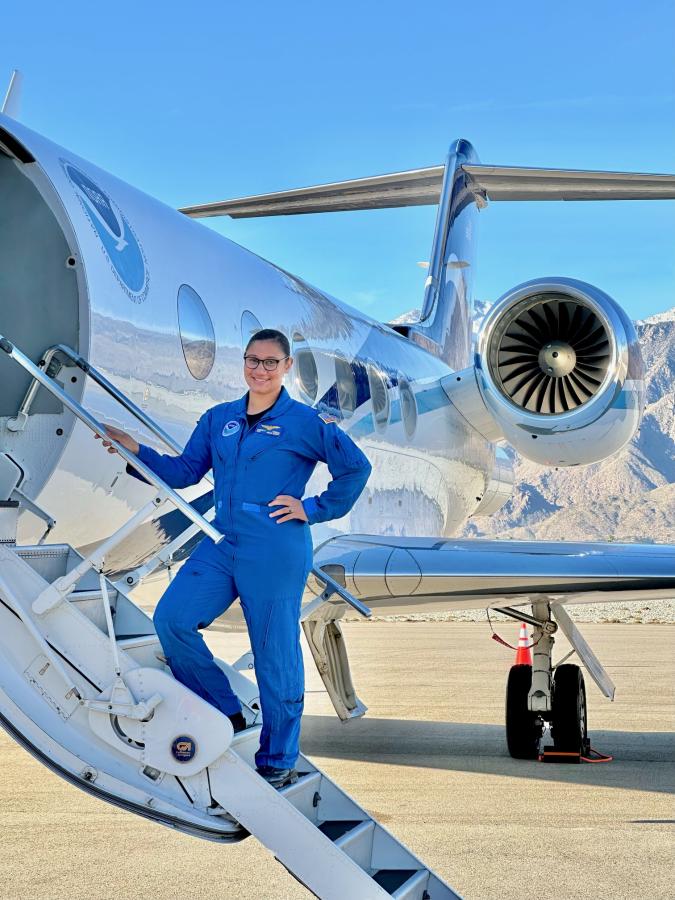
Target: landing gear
x=538 y=694
x=569 y=720
x=523 y=728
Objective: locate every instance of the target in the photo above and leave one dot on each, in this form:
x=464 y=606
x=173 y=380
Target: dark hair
x=271 y=334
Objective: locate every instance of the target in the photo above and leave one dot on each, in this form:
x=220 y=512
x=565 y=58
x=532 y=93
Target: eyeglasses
x=269 y=364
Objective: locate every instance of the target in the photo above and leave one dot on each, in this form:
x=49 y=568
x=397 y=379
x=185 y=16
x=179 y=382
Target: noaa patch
x=231 y=427
x=273 y=430
x=325 y=417
x=184 y=748
x=120 y=244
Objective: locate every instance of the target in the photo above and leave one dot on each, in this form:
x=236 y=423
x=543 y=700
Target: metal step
x=415 y=888
x=79 y=596
x=357 y=843
x=335 y=830
x=303 y=794
x=90 y=604
x=370 y=863
x=142 y=648
x=133 y=641
x=394 y=879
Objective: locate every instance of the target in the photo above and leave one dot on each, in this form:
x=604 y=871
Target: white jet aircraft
x=116 y=308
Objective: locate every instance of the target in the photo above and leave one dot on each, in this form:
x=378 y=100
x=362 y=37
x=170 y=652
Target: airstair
x=85 y=689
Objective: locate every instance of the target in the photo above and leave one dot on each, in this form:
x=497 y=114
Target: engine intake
x=558 y=374
x=550 y=355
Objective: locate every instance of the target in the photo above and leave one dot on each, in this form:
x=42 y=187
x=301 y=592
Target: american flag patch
x=325 y=417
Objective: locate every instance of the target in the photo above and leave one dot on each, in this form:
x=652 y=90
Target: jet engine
x=558 y=373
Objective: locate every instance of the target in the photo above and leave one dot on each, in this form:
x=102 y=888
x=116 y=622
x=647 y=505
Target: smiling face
x=264 y=386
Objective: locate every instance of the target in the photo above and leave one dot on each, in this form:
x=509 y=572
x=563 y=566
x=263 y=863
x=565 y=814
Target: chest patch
x=231 y=427
x=272 y=430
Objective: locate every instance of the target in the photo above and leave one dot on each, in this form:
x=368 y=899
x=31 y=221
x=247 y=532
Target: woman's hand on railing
x=121 y=437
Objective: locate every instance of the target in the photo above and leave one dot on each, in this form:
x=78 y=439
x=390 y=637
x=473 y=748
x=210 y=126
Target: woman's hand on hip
x=121 y=437
x=289 y=508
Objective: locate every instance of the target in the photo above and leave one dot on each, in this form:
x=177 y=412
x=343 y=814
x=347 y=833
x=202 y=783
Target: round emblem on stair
x=184 y=748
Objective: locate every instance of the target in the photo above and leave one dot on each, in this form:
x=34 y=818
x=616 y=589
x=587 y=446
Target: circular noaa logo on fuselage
x=120 y=244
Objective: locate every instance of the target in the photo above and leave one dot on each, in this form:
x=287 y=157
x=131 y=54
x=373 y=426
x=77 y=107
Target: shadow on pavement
x=482 y=748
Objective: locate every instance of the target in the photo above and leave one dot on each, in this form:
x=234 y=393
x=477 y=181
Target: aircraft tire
x=523 y=728
x=569 y=716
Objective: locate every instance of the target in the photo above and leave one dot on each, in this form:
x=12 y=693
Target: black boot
x=278 y=778
x=238 y=722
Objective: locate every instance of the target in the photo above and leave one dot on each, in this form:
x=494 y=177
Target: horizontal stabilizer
x=418 y=187
x=421 y=187
x=511 y=183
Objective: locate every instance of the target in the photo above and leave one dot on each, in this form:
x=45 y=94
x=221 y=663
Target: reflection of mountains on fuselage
x=156 y=358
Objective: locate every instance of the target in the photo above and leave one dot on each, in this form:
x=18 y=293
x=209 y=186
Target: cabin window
x=346 y=386
x=304 y=367
x=379 y=395
x=196 y=333
x=249 y=326
x=408 y=407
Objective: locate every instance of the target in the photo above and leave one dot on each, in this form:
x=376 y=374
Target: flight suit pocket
x=348 y=453
x=271 y=443
x=266 y=628
x=269 y=470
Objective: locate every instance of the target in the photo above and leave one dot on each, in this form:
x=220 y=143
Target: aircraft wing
x=477 y=574
x=420 y=187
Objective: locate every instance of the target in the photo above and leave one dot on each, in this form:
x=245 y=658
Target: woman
x=262 y=449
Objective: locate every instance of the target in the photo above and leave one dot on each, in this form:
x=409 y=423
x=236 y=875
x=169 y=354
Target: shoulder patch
x=325 y=417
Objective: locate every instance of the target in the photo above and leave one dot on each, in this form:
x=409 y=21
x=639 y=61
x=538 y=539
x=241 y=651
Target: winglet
x=12 y=101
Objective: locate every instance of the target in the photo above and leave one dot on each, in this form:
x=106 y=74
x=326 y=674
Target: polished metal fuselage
x=426 y=481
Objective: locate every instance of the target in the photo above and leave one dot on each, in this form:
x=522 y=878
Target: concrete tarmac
x=428 y=761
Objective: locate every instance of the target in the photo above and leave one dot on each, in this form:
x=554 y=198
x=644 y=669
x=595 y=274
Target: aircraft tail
x=445 y=323
x=12 y=102
x=460 y=187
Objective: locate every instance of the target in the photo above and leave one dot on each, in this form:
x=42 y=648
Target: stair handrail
x=334 y=587
x=85 y=366
x=87 y=419
x=107 y=386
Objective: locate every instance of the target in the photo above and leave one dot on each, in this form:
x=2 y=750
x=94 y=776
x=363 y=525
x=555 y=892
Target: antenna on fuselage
x=12 y=101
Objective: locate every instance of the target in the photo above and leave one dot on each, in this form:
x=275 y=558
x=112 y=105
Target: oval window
x=306 y=372
x=408 y=407
x=196 y=333
x=249 y=326
x=379 y=395
x=346 y=385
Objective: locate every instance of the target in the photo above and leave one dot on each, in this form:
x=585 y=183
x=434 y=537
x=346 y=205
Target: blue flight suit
x=264 y=563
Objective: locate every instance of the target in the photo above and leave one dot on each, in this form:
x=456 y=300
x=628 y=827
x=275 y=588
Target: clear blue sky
x=210 y=100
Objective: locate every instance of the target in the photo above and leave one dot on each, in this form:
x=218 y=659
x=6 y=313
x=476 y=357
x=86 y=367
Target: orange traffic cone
x=524 y=652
